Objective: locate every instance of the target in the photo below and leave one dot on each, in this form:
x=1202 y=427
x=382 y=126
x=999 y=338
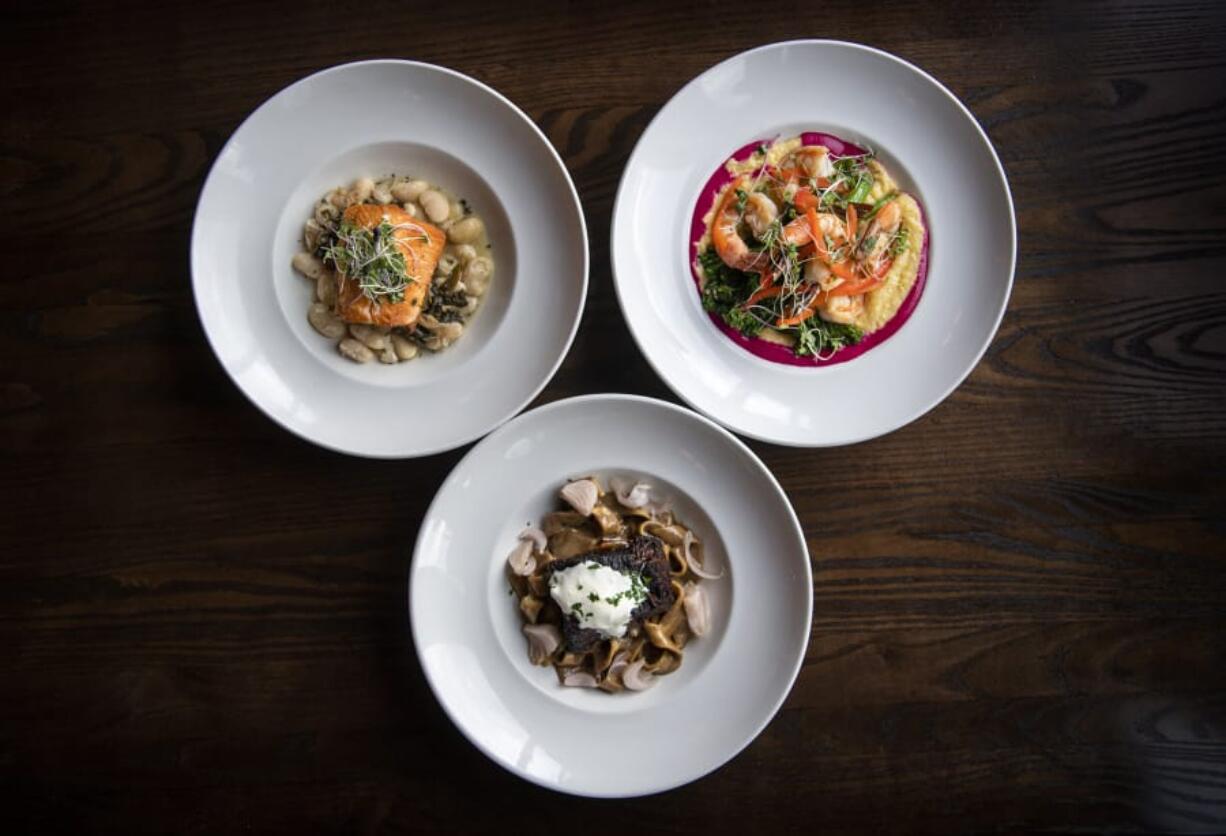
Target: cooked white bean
x=413 y=210
x=410 y=190
x=325 y=322
x=405 y=348
x=477 y=275
x=388 y=355
x=326 y=215
x=371 y=336
x=466 y=231
x=446 y=264
x=381 y=194
x=437 y=207
x=308 y=265
x=465 y=253
x=310 y=234
x=355 y=351
x=325 y=288
x=360 y=191
x=338 y=197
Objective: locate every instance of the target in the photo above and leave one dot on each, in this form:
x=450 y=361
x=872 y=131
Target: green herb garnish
x=372 y=258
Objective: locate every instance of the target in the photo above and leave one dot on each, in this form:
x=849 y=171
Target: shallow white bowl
x=373 y=118
x=936 y=150
x=466 y=624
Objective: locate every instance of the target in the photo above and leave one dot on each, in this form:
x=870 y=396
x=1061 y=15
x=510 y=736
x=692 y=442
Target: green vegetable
x=817 y=337
x=371 y=258
x=725 y=289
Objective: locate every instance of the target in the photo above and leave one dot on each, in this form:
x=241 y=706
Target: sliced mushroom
x=691 y=558
x=536 y=536
x=697 y=609
x=610 y=521
x=521 y=560
x=637 y=679
x=558 y=521
x=579 y=679
x=531 y=607
x=543 y=642
x=633 y=496
x=581 y=495
x=569 y=542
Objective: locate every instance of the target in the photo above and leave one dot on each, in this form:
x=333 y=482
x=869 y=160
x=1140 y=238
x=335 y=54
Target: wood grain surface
x=1020 y=599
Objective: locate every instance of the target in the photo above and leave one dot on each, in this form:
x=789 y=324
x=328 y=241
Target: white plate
x=936 y=150
x=466 y=625
x=373 y=118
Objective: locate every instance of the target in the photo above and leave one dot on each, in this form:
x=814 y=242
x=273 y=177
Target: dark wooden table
x=1020 y=617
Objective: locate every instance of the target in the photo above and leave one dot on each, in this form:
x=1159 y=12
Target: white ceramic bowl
x=368 y=119
x=936 y=150
x=466 y=624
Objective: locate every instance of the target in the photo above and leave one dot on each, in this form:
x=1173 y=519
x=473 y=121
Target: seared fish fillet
x=422 y=244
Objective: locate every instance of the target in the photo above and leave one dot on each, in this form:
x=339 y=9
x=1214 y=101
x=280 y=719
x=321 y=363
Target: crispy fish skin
x=421 y=256
x=643 y=554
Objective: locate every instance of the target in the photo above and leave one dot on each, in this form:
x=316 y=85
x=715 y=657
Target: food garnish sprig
x=372 y=258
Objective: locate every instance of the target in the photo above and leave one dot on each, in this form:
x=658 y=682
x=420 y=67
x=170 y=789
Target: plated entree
x=399 y=266
x=610 y=587
x=806 y=250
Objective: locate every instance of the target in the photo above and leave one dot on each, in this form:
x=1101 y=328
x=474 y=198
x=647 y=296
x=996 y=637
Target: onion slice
x=635 y=678
x=697 y=568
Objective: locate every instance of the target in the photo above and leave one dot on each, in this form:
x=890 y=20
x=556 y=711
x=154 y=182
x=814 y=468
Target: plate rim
x=195 y=244
x=797 y=529
x=960 y=378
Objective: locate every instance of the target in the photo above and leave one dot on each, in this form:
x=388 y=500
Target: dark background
x=1020 y=599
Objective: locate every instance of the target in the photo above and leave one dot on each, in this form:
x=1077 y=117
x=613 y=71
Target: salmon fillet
x=422 y=244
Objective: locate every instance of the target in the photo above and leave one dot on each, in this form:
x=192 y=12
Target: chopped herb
x=373 y=259
x=900 y=243
x=593 y=597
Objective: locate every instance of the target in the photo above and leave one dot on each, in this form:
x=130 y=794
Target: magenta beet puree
x=781 y=353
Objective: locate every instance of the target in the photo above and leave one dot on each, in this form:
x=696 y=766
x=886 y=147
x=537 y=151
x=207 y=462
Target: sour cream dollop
x=601 y=598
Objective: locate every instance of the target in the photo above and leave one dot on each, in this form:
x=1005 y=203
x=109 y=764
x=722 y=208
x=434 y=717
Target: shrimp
x=813 y=161
x=874 y=249
x=844 y=310
x=759 y=213
x=729 y=244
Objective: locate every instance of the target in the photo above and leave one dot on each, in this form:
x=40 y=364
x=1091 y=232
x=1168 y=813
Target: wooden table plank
x=1019 y=611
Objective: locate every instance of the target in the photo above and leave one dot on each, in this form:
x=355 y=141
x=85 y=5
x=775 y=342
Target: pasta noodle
x=643 y=569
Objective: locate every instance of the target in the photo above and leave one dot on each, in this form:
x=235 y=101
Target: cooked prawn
x=842 y=309
x=758 y=213
x=813 y=161
x=874 y=250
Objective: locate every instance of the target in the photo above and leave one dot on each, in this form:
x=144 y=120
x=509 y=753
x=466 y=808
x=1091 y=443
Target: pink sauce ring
x=781 y=353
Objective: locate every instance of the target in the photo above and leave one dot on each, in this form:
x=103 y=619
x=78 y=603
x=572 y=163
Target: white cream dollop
x=601 y=598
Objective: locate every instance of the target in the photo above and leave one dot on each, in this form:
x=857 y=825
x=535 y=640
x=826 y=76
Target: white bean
x=353 y=350
x=405 y=348
x=325 y=322
x=466 y=231
x=465 y=253
x=325 y=288
x=438 y=209
x=409 y=191
x=338 y=197
x=381 y=194
x=371 y=336
x=477 y=275
x=413 y=210
x=308 y=265
x=310 y=234
x=360 y=191
x=389 y=356
x=446 y=264
x=326 y=214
